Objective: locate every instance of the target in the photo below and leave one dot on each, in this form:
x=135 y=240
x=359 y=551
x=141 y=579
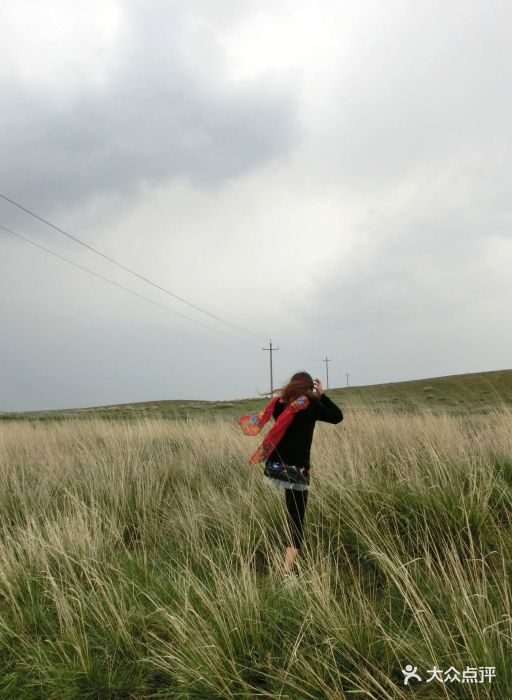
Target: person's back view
x=286 y=448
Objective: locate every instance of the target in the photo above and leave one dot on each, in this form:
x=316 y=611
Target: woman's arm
x=325 y=409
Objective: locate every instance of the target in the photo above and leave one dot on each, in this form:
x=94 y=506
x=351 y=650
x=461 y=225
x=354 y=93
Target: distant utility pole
x=347 y=375
x=271 y=349
x=327 y=370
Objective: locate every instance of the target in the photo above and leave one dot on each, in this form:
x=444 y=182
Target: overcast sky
x=335 y=176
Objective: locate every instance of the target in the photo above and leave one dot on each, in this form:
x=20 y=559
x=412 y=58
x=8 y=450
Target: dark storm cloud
x=164 y=108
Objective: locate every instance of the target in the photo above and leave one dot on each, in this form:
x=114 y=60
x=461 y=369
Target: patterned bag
x=287 y=472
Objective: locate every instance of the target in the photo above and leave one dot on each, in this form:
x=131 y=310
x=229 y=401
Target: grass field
x=141 y=558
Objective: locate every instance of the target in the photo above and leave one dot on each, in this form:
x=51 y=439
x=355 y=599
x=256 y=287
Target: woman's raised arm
x=327 y=411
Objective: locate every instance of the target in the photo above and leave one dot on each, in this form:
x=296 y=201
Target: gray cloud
x=165 y=107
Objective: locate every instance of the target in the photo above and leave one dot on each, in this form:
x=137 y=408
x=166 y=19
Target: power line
x=139 y=276
x=144 y=298
x=120 y=286
x=126 y=268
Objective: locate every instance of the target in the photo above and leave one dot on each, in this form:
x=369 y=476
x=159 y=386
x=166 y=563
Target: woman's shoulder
x=279 y=406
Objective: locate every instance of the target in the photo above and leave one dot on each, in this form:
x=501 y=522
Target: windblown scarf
x=252 y=423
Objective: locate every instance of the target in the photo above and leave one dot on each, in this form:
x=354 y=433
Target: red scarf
x=252 y=423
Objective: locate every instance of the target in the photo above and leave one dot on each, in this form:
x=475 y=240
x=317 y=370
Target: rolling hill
x=481 y=392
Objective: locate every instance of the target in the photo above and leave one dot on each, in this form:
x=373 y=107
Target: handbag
x=286 y=472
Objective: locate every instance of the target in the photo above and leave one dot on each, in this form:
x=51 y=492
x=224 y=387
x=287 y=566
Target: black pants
x=296 y=506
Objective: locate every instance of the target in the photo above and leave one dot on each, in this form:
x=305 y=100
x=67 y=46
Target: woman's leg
x=296 y=505
x=289 y=559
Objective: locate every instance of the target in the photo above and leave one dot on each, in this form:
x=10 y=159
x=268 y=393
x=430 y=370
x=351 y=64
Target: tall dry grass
x=142 y=559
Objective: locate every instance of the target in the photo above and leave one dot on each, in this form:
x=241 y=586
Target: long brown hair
x=300 y=384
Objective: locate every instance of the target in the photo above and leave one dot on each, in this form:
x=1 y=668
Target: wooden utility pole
x=347 y=375
x=271 y=349
x=327 y=370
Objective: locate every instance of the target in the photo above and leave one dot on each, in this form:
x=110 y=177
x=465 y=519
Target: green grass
x=482 y=391
x=141 y=559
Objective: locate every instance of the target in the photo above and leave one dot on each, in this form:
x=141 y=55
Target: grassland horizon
x=455 y=393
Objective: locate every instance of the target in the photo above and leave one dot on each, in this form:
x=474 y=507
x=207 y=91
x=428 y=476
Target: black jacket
x=295 y=445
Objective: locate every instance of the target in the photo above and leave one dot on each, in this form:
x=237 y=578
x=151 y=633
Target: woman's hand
x=318 y=387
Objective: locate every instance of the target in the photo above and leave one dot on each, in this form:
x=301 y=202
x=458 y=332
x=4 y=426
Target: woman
x=286 y=448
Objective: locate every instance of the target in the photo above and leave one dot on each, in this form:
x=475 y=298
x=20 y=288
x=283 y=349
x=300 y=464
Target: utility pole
x=327 y=370
x=271 y=349
x=347 y=375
